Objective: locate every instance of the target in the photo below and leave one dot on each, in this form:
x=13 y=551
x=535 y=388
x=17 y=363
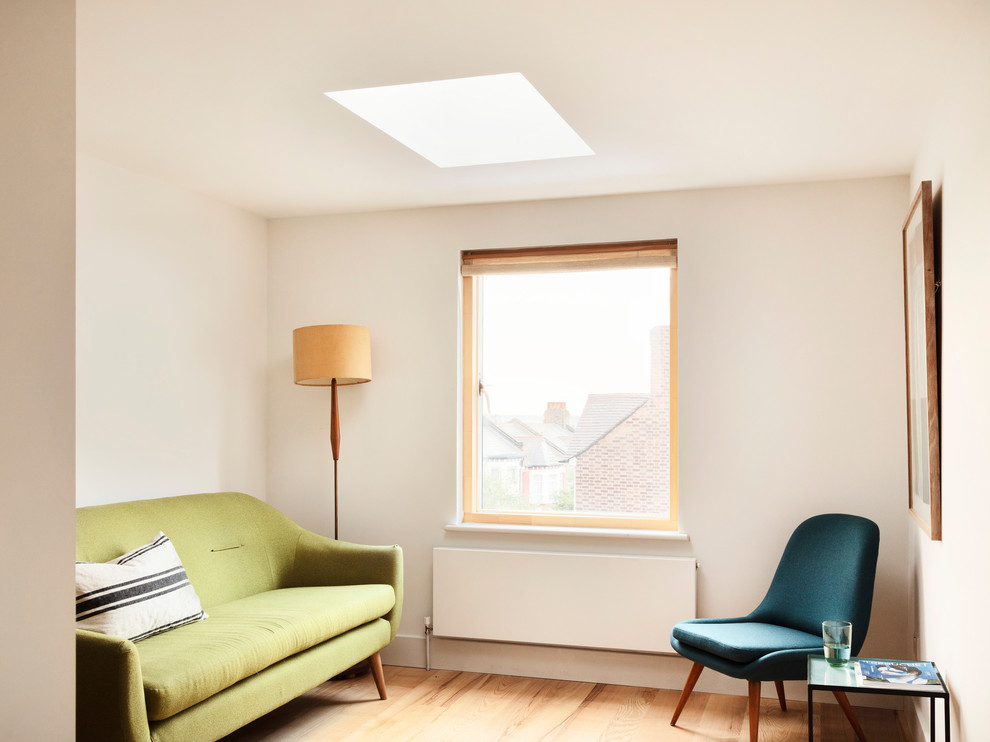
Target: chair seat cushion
x=743 y=641
x=185 y=666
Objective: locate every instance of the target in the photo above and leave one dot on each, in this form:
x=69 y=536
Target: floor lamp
x=332 y=355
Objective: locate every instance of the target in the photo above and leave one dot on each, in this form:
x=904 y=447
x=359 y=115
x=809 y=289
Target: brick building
x=615 y=459
x=621 y=446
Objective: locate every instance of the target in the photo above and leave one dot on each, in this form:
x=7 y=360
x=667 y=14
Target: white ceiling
x=226 y=96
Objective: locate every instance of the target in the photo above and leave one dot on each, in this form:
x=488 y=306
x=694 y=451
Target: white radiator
x=602 y=601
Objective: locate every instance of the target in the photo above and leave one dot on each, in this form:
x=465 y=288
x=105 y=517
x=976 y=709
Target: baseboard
x=589 y=666
x=405 y=651
x=539 y=661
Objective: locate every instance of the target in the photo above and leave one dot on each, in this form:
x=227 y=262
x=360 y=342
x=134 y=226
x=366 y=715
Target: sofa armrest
x=109 y=690
x=323 y=561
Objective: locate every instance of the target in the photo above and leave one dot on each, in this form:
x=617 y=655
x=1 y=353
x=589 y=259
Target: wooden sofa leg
x=779 y=684
x=378 y=674
x=847 y=709
x=692 y=678
x=754 y=710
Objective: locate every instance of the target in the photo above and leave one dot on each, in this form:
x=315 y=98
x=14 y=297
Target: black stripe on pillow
x=163 y=539
x=172 y=625
x=139 y=593
x=136 y=580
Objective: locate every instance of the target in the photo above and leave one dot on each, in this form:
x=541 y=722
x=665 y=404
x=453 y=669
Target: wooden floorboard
x=450 y=706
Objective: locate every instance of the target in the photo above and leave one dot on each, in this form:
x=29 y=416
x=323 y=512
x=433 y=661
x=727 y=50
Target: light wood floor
x=468 y=707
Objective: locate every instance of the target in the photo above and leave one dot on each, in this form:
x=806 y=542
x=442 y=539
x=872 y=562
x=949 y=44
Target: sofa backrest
x=231 y=544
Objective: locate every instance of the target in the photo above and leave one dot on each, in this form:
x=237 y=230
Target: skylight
x=468 y=121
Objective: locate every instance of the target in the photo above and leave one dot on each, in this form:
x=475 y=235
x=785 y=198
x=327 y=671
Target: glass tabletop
x=823 y=676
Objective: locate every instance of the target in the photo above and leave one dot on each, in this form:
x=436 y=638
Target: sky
x=559 y=337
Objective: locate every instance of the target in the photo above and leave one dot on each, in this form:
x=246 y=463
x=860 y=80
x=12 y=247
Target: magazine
x=896 y=673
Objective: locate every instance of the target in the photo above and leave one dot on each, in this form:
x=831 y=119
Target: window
x=570 y=380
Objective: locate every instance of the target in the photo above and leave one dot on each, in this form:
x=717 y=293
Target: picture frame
x=921 y=354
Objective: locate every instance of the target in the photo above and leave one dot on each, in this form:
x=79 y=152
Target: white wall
x=37 y=150
x=950 y=578
x=791 y=388
x=171 y=355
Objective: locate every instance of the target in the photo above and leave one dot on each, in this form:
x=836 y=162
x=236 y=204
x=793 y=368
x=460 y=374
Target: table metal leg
x=945 y=710
x=811 y=718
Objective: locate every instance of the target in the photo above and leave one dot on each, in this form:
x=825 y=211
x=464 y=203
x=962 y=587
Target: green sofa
x=288 y=610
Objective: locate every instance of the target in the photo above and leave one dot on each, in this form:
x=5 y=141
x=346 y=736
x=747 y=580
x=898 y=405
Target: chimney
x=557 y=414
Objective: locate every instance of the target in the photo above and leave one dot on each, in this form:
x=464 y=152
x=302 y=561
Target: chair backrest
x=827 y=572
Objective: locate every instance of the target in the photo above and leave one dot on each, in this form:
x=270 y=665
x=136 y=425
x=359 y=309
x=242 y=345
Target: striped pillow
x=137 y=595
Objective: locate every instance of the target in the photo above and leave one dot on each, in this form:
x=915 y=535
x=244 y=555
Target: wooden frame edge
x=471 y=417
x=469 y=400
x=923 y=202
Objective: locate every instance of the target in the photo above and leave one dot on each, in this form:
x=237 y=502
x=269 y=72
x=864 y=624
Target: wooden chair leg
x=378 y=674
x=779 y=684
x=848 y=710
x=692 y=678
x=754 y=710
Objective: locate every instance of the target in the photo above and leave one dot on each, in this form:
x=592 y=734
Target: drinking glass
x=837 y=637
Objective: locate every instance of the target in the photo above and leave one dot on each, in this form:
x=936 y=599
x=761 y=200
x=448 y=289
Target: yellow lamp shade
x=322 y=353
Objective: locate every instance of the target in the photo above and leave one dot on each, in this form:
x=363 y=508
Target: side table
x=821 y=676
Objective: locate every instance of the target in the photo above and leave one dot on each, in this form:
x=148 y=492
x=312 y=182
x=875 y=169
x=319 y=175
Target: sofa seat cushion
x=185 y=666
x=743 y=642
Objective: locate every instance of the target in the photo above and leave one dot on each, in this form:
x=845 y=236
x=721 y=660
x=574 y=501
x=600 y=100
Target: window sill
x=627 y=533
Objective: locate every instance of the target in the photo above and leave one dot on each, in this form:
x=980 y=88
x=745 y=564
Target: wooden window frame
x=621 y=255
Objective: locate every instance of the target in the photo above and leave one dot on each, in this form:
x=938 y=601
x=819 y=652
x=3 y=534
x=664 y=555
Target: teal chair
x=826 y=572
